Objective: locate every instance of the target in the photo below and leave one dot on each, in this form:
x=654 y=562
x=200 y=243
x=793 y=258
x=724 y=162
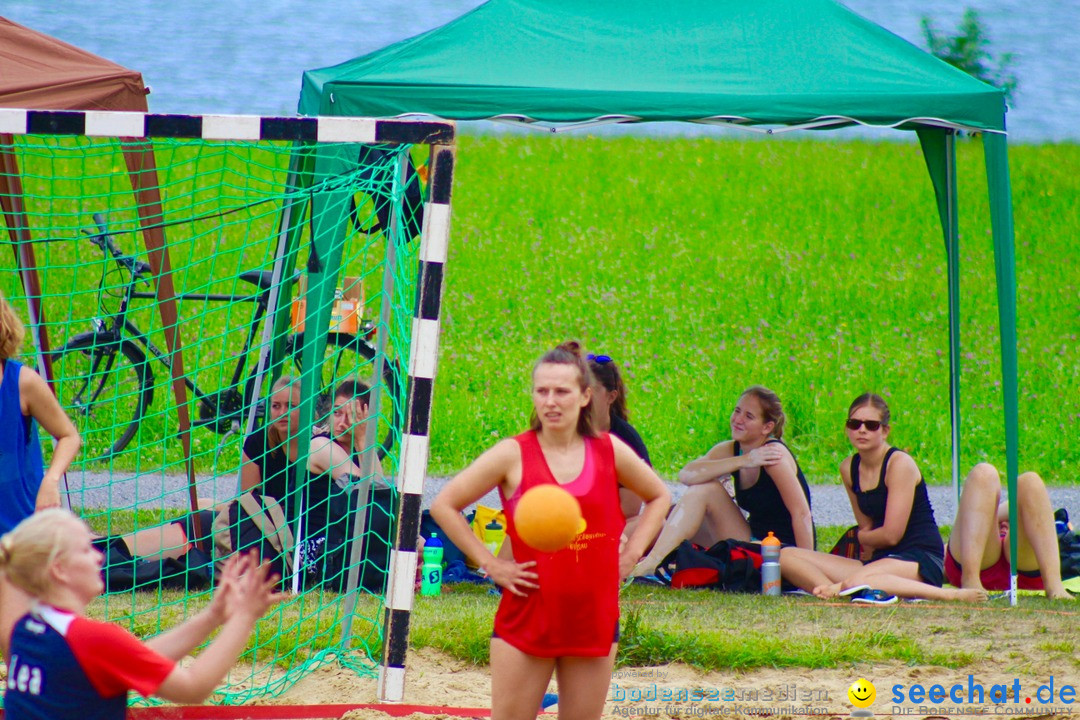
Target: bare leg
x=518 y=682
x=629 y=503
x=583 y=685
x=158 y=543
x=816 y=572
x=974 y=541
x=901 y=578
x=705 y=514
x=14 y=603
x=1037 y=545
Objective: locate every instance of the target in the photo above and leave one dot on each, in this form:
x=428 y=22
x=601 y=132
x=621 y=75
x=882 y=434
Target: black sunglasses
x=855 y=424
x=599 y=359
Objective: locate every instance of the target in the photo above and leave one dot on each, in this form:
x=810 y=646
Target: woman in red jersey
x=559 y=611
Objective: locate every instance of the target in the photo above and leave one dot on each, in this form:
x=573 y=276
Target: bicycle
x=106 y=373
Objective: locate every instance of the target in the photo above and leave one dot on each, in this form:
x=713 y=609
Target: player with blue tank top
x=25 y=484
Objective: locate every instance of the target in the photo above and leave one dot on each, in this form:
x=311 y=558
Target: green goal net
x=209 y=313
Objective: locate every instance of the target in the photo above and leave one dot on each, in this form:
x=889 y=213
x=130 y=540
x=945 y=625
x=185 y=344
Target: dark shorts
x=206 y=521
x=931 y=565
x=995 y=577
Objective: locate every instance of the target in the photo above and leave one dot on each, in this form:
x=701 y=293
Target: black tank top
x=765 y=506
x=922 y=531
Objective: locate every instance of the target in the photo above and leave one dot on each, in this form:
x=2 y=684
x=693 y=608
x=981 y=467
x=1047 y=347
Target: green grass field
x=816 y=268
x=703 y=266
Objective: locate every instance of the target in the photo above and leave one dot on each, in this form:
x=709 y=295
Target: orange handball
x=547 y=518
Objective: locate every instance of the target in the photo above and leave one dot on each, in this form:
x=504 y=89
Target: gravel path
x=96 y=489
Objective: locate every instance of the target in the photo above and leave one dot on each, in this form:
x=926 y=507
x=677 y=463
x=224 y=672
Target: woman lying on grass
x=903 y=555
x=769 y=485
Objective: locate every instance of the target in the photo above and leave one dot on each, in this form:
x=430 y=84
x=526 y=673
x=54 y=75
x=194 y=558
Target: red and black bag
x=848 y=544
x=729 y=565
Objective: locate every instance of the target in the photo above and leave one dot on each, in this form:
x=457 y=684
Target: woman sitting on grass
x=769 y=486
x=559 y=611
x=902 y=552
x=270 y=468
x=64 y=665
x=610 y=415
x=978 y=551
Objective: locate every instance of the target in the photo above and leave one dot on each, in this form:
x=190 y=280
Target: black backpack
x=1068 y=546
x=378 y=540
x=729 y=565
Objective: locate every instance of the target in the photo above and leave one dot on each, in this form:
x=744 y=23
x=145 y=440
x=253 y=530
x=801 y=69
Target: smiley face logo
x=862 y=693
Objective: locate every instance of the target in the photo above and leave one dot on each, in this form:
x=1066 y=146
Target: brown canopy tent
x=42 y=73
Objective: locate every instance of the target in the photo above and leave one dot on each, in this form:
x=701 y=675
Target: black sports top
x=765 y=504
x=625 y=431
x=276 y=480
x=922 y=531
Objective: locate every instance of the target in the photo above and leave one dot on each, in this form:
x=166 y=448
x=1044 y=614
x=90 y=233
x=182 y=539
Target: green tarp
x=764 y=61
x=772 y=63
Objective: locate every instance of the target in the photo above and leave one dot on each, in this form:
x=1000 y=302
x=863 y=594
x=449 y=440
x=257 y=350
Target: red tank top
x=575 y=611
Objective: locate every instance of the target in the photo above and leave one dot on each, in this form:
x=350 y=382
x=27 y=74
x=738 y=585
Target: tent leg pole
x=996 y=152
x=952 y=250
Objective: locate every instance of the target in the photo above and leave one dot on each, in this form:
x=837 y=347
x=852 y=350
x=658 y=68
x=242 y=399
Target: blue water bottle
x=431 y=582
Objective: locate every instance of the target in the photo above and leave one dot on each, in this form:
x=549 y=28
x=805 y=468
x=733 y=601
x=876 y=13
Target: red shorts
x=995 y=577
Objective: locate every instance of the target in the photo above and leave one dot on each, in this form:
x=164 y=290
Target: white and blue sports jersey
x=66 y=666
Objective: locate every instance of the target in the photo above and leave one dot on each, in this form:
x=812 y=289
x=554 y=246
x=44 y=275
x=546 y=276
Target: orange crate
x=345 y=316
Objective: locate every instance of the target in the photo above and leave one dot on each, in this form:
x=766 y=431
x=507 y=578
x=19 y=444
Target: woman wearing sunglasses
x=769 y=487
x=902 y=552
x=609 y=414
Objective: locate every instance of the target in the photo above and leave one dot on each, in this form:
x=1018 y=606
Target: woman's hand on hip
x=514 y=576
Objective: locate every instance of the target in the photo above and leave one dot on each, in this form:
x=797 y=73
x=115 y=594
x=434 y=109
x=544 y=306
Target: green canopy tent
x=765 y=65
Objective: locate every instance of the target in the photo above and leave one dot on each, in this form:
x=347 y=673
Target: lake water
x=243 y=56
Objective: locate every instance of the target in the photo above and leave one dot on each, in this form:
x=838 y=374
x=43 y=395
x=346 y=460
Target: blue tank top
x=922 y=531
x=21 y=463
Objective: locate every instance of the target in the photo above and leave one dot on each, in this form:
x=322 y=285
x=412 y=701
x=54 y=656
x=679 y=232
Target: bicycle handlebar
x=104 y=241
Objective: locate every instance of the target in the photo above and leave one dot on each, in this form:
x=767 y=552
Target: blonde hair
x=12 y=330
x=29 y=551
x=275 y=436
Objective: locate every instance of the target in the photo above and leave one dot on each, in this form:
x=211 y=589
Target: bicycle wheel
x=349 y=356
x=106 y=386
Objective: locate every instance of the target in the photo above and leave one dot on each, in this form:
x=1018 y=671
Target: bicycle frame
x=118 y=327
x=114 y=337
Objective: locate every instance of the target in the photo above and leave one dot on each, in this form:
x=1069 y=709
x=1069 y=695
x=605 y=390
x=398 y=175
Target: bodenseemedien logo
x=862 y=694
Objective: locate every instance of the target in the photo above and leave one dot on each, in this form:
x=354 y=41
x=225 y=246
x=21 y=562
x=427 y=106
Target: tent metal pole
x=996 y=153
x=952 y=250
